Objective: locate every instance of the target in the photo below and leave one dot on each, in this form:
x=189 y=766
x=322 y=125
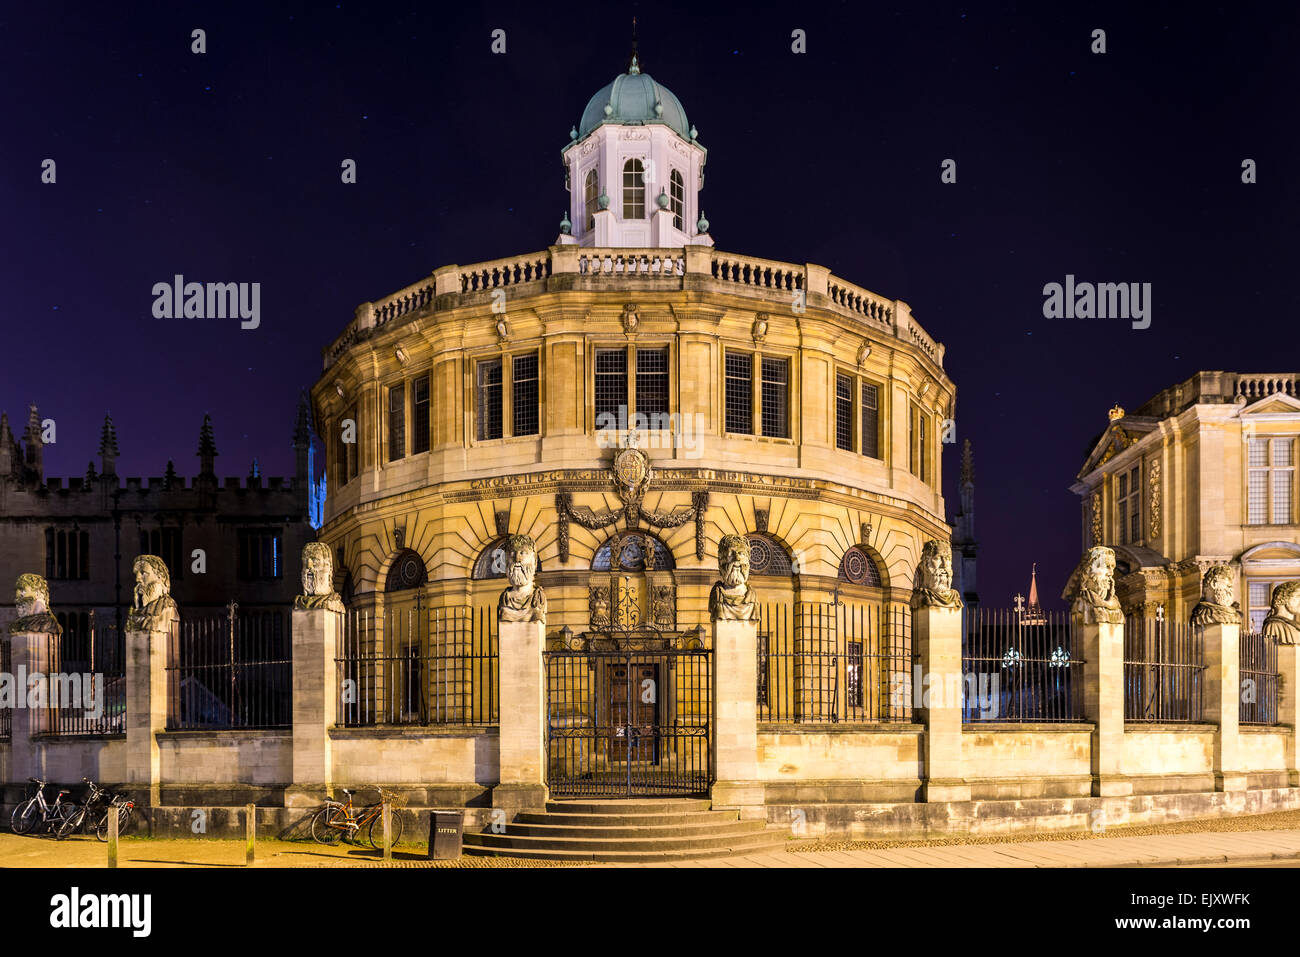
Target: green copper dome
x=634 y=99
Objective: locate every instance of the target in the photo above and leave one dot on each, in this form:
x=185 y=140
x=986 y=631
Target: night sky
x=225 y=167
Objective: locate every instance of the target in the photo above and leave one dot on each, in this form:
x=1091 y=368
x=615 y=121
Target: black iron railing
x=232 y=670
x=825 y=663
x=6 y=668
x=628 y=723
x=1164 y=670
x=85 y=681
x=1259 y=680
x=1020 y=666
x=418 y=666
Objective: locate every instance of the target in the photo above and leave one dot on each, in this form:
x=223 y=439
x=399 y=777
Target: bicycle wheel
x=377 y=829
x=101 y=828
x=25 y=817
x=71 y=819
x=321 y=831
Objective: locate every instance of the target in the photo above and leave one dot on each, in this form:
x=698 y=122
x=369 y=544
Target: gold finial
x=1116 y=413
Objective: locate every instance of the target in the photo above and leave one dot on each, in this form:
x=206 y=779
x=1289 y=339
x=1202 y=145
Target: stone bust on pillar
x=523 y=600
x=318 y=579
x=732 y=599
x=1092 y=588
x=154 y=608
x=1216 y=606
x=32 y=603
x=1283 y=621
x=932 y=584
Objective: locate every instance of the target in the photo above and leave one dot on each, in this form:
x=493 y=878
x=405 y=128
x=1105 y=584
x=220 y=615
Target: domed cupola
x=634 y=168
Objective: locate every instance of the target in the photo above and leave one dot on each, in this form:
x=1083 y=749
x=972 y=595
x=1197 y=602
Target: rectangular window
x=67 y=555
x=739 y=374
x=761 y=697
x=166 y=544
x=919 y=444
x=340 y=453
x=652 y=386
x=853 y=674
x=420 y=415
x=611 y=388
x=523 y=401
x=776 y=398
x=489 y=400
x=396 y=421
x=1135 y=513
x=1128 y=505
x=354 y=449
x=844 y=412
x=259 y=553
x=1270 y=482
x=870 y=420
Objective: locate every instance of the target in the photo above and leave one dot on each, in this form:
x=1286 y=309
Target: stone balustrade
x=1259 y=385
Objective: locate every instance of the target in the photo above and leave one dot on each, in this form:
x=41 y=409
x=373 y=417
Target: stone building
x=82 y=533
x=768 y=399
x=1203 y=473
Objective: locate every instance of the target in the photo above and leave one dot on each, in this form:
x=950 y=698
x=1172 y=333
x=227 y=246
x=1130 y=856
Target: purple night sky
x=224 y=167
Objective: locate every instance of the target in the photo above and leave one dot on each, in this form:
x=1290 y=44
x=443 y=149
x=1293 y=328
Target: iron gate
x=625 y=723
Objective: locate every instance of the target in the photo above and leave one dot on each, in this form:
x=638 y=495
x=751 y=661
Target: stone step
x=628 y=805
x=626 y=820
x=768 y=846
x=508 y=844
x=622 y=831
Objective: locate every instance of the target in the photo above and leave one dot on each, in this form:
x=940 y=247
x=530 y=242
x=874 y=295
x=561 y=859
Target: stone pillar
x=317 y=633
x=1221 y=702
x=1103 y=704
x=146 y=706
x=1288 y=707
x=735 y=718
x=936 y=634
x=522 y=735
x=29 y=654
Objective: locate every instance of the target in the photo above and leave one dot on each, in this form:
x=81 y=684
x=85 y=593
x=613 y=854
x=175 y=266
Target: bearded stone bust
x=732 y=599
x=318 y=579
x=32 y=603
x=1092 y=588
x=1283 y=621
x=932 y=585
x=1216 y=606
x=523 y=600
x=154 y=608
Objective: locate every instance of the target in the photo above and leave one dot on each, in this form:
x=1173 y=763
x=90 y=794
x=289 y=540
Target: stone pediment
x=1279 y=403
x=1117 y=437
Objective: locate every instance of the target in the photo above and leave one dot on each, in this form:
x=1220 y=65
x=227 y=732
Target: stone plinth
x=522 y=780
x=936 y=633
x=30 y=654
x=735 y=718
x=1221 y=703
x=316 y=636
x=146 y=707
x=1103 y=704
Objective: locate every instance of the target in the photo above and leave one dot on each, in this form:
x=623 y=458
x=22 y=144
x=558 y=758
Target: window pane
x=633 y=190
x=1259 y=451
x=1123 y=520
x=591 y=193
x=652 y=385
x=1282 y=452
x=775 y=412
x=420 y=415
x=870 y=421
x=352 y=448
x=489 y=400
x=677 y=197
x=740 y=392
x=1123 y=485
x=611 y=388
x=1257 y=497
x=1282 y=497
x=396 y=421
x=844 y=412
x=524 y=400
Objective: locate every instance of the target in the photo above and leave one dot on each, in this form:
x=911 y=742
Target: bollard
x=388 y=831
x=250 y=834
x=112 y=835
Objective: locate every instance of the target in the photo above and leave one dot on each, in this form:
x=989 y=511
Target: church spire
x=1034 y=613
x=207 y=447
x=634 y=65
x=108 y=451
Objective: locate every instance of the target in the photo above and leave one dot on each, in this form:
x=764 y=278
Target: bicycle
x=126 y=810
x=336 y=819
x=38 y=811
x=96 y=807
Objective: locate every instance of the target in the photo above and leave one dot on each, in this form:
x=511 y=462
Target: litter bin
x=446 y=830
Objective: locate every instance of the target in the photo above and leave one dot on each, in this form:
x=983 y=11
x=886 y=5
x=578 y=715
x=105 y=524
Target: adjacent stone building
x=1203 y=473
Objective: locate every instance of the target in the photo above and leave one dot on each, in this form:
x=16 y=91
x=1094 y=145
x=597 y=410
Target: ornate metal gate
x=628 y=717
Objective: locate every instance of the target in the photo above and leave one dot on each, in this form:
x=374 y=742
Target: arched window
x=858 y=568
x=677 y=198
x=408 y=571
x=633 y=190
x=491 y=562
x=632 y=554
x=767 y=556
x=590 y=196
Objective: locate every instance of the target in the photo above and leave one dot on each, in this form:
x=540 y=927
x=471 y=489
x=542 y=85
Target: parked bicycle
x=126 y=815
x=339 y=819
x=93 y=812
x=38 y=814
